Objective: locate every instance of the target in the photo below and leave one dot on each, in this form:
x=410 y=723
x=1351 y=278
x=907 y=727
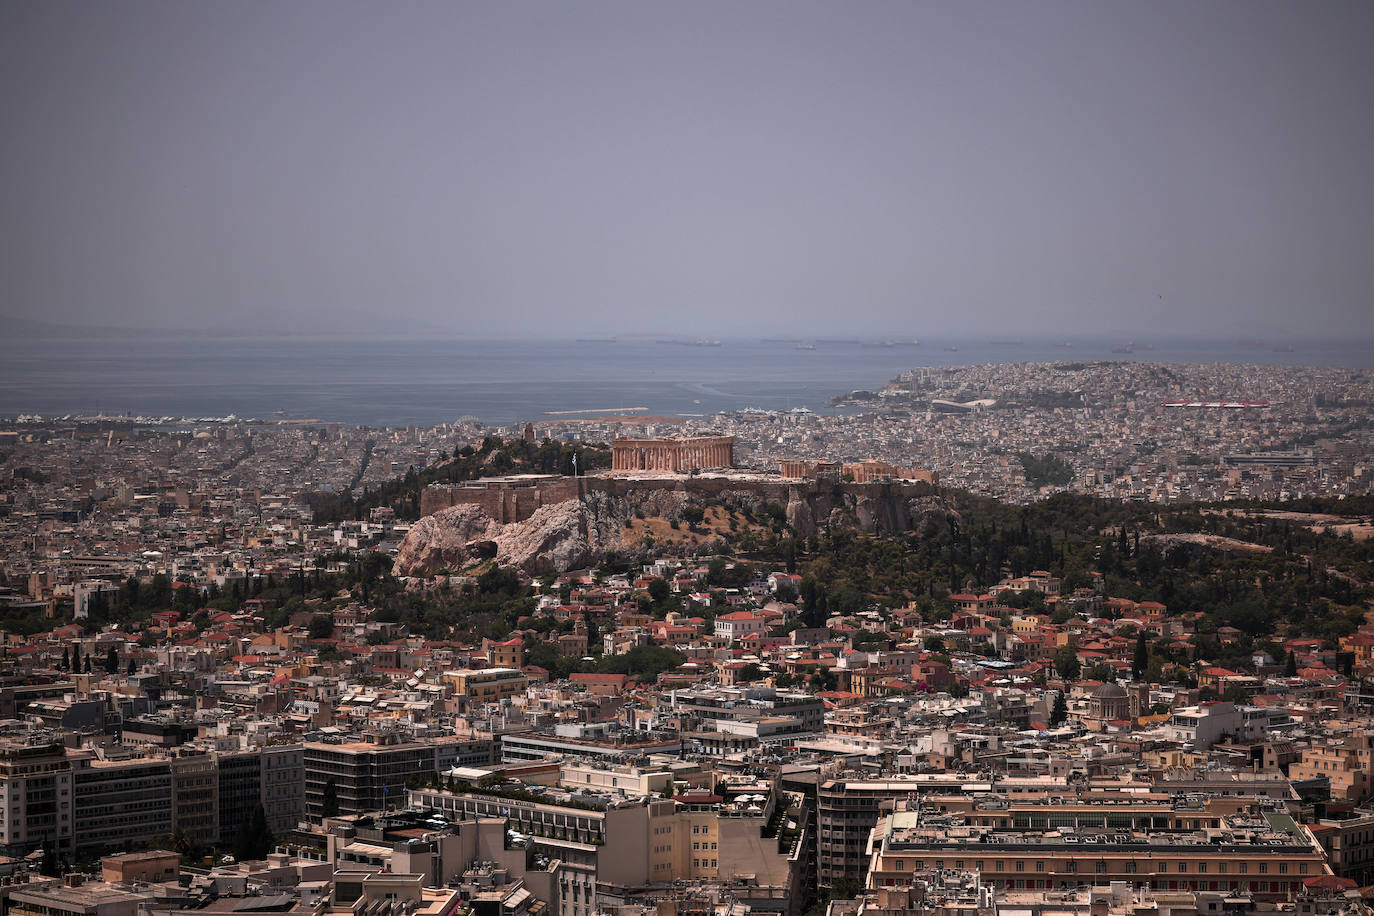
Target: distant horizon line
x=52 y=331
x=20 y=327
x=1141 y=342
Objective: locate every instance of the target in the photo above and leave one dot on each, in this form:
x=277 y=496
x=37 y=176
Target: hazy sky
x=694 y=168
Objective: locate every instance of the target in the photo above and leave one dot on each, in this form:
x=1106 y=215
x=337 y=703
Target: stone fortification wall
x=503 y=499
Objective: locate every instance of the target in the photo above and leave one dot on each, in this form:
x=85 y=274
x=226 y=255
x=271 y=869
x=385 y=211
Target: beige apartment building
x=1263 y=853
x=1345 y=765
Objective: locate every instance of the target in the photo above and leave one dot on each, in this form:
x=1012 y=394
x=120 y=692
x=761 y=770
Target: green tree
x=321 y=626
x=823 y=679
x=659 y=590
x=1046 y=469
x=1236 y=695
x=1142 y=656
x=751 y=672
x=1060 y=713
x=254 y=839
x=1066 y=662
x=330 y=805
x=845 y=889
x=1290 y=667
x=111 y=661
x=1102 y=671
x=49 y=866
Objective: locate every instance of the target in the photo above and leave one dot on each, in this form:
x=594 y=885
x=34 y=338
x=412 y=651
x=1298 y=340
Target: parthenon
x=674 y=456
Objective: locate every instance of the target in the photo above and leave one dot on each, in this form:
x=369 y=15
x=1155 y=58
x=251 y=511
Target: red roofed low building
x=730 y=672
x=933 y=673
x=508 y=653
x=1362 y=645
x=739 y=624
x=1213 y=677
x=980 y=636
x=574 y=644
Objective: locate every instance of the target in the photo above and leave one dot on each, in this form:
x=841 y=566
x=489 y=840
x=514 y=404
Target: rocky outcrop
x=589 y=527
x=799 y=515
x=567 y=535
x=928 y=515
x=450 y=539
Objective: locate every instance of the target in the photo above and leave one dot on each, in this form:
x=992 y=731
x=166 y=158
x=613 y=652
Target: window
x=1283 y=868
x=1039 y=866
x=1202 y=868
x=1020 y=866
x=1183 y=868
x=1243 y=867
x=1221 y=868
x=1264 y=868
x=1130 y=868
x=1101 y=867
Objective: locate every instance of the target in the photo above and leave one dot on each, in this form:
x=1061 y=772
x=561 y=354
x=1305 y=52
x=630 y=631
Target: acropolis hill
x=554 y=522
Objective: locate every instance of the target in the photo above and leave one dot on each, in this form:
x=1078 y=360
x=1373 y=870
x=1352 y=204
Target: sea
x=428 y=382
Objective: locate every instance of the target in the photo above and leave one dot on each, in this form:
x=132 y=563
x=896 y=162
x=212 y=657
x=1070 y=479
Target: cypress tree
x=1060 y=714
x=331 y=798
x=1142 y=656
x=254 y=839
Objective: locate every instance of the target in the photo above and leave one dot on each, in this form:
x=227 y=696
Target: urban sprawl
x=1040 y=639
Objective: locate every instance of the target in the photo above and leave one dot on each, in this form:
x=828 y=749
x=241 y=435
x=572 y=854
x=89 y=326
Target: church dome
x=1109 y=690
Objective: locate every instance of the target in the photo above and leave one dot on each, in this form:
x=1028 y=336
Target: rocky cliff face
x=583 y=531
x=556 y=538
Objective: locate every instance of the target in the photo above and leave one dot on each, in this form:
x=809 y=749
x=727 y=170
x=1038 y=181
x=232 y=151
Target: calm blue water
x=428 y=382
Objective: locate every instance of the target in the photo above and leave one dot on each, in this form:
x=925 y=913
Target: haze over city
x=686 y=459
x=614 y=168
